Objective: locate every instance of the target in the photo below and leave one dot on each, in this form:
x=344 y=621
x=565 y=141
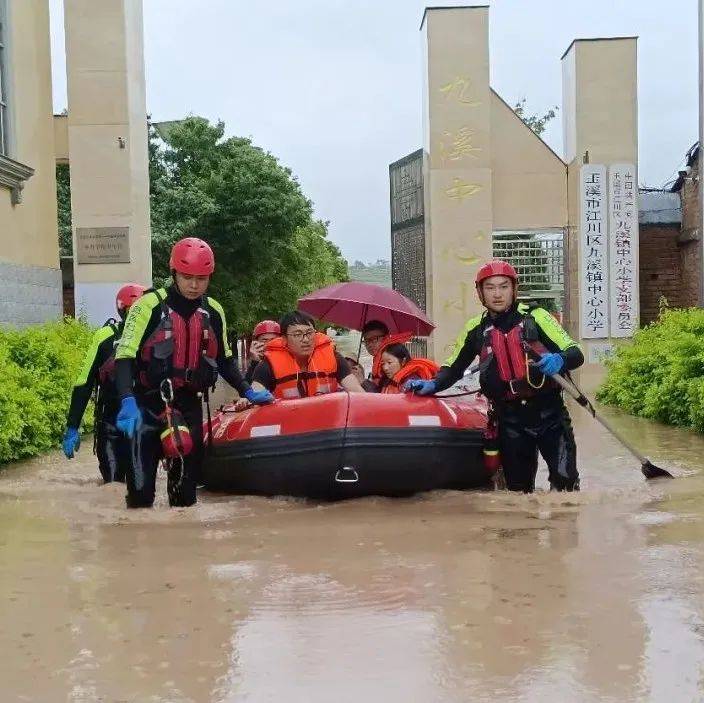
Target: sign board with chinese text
x=623 y=249
x=103 y=245
x=594 y=246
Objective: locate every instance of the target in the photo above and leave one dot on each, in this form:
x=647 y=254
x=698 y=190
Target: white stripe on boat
x=424 y=420
x=265 y=430
x=453 y=414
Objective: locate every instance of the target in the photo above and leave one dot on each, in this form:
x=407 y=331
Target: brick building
x=670 y=242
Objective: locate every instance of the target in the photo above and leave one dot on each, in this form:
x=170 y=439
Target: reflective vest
x=399 y=338
x=507 y=349
x=424 y=369
x=292 y=381
x=106 y=372
x=182 y=350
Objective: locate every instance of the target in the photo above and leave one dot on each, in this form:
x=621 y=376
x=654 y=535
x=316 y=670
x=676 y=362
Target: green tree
x=63 y=201
x=251 y=209
x=536 y=122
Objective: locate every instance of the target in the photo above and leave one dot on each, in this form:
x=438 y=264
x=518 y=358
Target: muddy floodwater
x=445 y=597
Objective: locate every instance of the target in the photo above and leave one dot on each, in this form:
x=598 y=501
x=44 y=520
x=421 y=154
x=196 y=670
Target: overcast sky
x=333 y=87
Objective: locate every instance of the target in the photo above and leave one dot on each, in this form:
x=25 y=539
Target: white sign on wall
x=623 y=249
x=594 y=278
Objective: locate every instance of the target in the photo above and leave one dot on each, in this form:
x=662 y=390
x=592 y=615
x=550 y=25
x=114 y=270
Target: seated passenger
x=398 y=367
x=376 y=337
x=264 y=332
x=302 y=362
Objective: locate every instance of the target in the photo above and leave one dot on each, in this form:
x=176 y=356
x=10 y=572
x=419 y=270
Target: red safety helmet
x=495 y=268
x=127 y=295
x=266 y=327
x=192 y=256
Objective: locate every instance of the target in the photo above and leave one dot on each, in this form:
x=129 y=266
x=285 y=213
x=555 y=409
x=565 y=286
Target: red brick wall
x=660 y=270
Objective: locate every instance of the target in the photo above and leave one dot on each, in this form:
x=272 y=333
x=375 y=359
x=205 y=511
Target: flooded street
x=446 y=597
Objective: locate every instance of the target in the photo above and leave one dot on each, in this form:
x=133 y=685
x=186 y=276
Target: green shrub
x=660 y=374
x=39 y=366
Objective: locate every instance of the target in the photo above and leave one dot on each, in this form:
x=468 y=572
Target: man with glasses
x=302 y=362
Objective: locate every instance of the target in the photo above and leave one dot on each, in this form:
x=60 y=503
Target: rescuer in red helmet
x=171 y=352
x=527 y=404
x=98 y=372
x=264 y=332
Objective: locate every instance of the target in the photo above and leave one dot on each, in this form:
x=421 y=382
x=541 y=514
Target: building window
x=4 y=136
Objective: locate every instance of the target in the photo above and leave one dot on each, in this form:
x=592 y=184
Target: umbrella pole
x=364 y=322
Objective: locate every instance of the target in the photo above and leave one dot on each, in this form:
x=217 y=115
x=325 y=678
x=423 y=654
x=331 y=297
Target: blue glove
x=129 y=419
x=551 y=364
x=258 y=397
x=420 y=387
x=70 y=442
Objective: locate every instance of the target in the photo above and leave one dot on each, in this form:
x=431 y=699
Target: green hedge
x=660 y=375
x=38 y=366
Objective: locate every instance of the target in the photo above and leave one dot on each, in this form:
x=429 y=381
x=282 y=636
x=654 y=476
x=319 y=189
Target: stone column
x=457 y=172
x=107 y=150
x=600 y=120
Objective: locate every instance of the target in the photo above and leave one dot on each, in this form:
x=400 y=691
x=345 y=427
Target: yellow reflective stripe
x=552 y=329
x=171 y=430
x=136 y=325
x=219 y=310
x=98 y=338
x=459 y=343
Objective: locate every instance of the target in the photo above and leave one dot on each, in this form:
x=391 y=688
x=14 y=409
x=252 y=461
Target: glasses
x=300 y=336
x=375 y=338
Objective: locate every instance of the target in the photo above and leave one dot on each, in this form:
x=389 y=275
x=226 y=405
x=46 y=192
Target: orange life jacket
x=424 y=369
x=184 y=351
x=292 y=381
x=399 y=338
x=511 y=358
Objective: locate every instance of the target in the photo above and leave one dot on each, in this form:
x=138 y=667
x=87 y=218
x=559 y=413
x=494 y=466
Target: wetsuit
x=535 y=420
x=145 y=319
x=110 y=446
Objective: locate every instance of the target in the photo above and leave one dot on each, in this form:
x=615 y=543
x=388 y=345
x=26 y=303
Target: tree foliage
x=63 y=201
x=269 y=249
x=537 y=123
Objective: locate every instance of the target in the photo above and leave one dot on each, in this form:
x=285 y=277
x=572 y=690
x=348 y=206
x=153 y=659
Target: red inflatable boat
x=346 y=445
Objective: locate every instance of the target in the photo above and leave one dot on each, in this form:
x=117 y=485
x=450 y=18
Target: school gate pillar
x=600 y=122
x=107 y=128
x=457 y=166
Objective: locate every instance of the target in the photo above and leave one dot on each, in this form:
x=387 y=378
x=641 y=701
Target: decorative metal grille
x=408 y=227
x=406 y=188
x=408 y=263
x=539 y=258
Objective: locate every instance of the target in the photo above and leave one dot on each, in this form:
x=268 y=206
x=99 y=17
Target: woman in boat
x=398 y=367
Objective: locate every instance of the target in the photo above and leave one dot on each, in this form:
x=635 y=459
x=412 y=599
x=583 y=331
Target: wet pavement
x=445 y=597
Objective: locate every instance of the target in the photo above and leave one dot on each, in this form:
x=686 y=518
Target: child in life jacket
x=398 y=367
x=526 y=402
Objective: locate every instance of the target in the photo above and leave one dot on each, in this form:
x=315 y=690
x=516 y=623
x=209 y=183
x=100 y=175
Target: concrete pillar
x=457 y=171
x=108 y=151
x=600 y=118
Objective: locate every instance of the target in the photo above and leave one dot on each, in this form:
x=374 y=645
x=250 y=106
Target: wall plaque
x=103 y=245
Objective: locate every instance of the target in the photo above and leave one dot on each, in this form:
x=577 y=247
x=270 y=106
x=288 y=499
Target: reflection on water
x=450 y=597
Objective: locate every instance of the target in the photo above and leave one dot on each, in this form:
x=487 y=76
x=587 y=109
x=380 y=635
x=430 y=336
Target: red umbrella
x=353 y=304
